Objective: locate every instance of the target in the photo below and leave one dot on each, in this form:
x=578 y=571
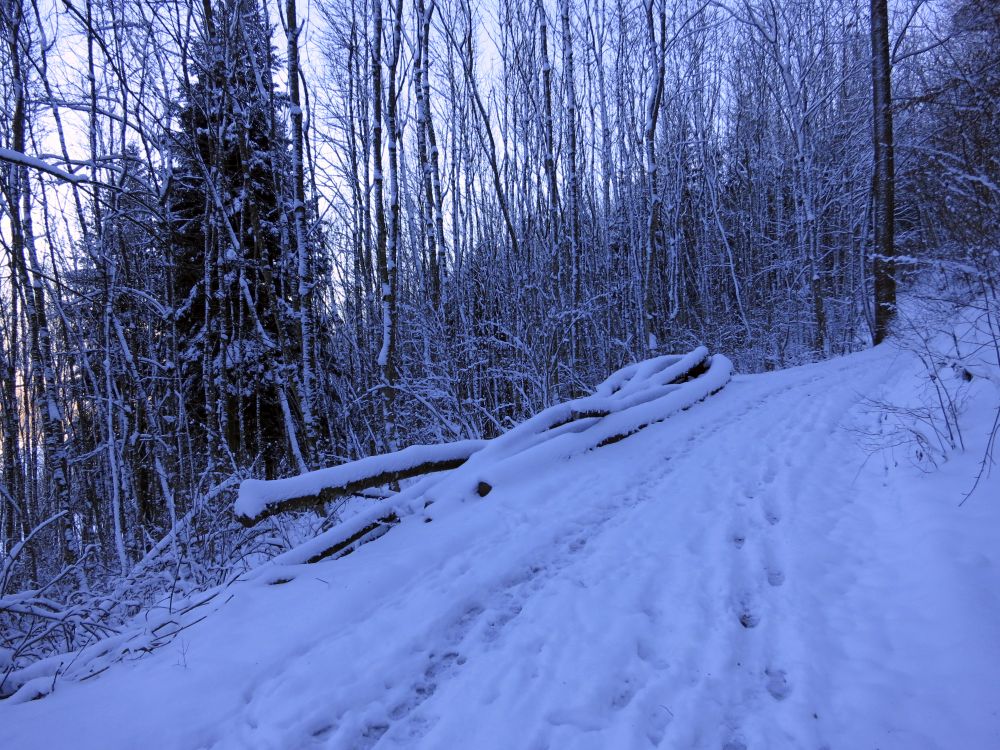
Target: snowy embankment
x=629 y=400
x=745 y=574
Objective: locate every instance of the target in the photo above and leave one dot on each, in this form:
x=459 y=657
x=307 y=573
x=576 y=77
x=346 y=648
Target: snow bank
x=632 y=398
x=742 y=575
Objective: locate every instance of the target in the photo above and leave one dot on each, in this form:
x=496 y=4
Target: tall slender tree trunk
x=654 y=95
x=883 y=183
x=421 y=92
x=388 y=251
x=25 y=260
x=433 y=156
x=307 y=376
x=548 y=129
x=573 y=188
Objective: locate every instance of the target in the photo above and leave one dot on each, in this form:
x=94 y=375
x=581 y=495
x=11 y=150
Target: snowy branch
x=16 y=157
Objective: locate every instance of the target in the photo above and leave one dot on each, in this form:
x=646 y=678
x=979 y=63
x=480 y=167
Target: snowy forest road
x=741 y=576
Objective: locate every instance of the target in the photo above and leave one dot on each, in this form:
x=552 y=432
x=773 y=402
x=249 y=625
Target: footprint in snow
x=371 y=735
x=440 y=664
x=624 y=695
x=421 y=692
x=457 y=631
x=647 y=653
x=771 y=467
x=658 y=718
x=324 y=731
x=499 y=621
x=777 y=684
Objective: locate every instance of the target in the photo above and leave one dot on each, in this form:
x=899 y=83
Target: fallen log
x=651 y=406
x=631 y=385
x=633 y=399
x=259 y=499
x=366 y=534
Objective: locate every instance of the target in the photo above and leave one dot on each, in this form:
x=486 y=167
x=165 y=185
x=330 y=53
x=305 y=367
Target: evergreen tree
x=230 y=244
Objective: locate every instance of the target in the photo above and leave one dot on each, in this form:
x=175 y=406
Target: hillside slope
x=743 y=575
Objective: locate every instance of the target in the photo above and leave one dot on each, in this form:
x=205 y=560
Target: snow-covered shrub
x=958 y=343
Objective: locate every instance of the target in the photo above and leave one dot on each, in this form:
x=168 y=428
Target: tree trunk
x=883 y=184
x=307 y=384
x=654 y=96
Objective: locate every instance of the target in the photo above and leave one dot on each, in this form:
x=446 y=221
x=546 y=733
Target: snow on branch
x=16 y=157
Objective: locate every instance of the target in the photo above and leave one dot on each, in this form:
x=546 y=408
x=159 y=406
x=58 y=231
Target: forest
x=246 y=239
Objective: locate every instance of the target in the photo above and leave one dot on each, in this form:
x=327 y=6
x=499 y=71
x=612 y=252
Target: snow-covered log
x=632 y=385
x=261 y=498
x=640 y=408
x=631 y=399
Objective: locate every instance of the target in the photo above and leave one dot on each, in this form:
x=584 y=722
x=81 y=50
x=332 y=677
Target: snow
x=256 y=496
x=17 y=157
x=740 y=575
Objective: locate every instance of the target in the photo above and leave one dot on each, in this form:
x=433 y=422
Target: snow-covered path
x=740 y=576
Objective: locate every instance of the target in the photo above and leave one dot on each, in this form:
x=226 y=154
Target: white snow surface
x=742 y=575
